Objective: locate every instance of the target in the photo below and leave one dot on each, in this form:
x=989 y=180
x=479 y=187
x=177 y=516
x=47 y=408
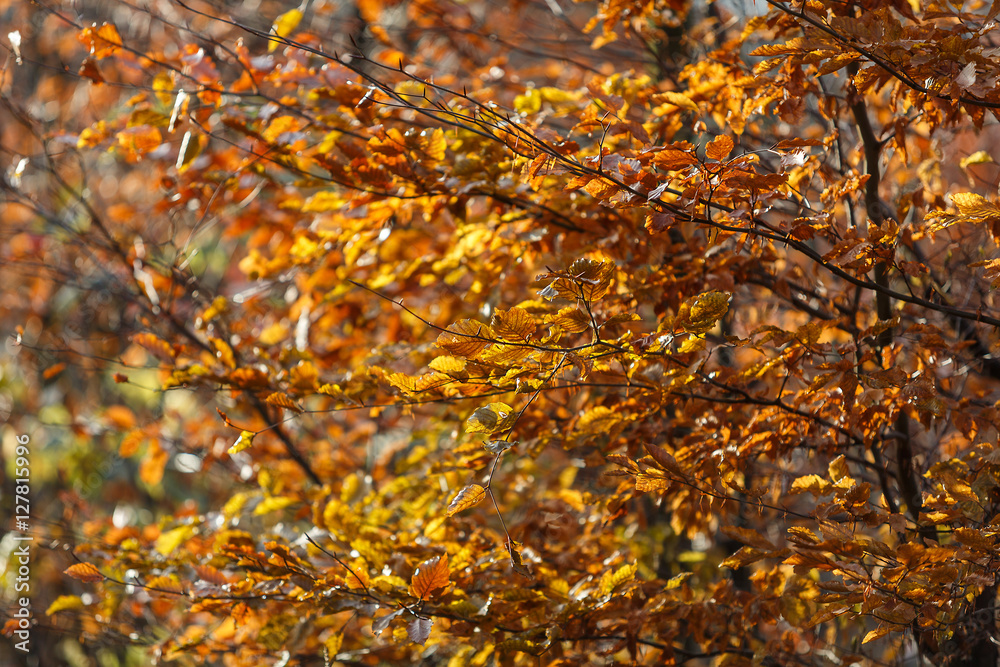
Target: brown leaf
x=419 y=629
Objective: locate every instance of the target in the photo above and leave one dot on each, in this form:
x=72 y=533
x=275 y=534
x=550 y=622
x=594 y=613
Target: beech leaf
x=470 y=496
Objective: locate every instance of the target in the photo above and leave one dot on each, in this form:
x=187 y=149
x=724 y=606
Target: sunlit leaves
x=666 y=260
x=586 y=279
x=467 y=497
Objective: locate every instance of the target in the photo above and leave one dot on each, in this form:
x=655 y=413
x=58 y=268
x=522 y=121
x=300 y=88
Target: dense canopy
x=462 y=332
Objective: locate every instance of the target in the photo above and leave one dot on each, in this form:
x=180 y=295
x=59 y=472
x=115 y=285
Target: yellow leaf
x=170 y=540
x=979 y=157
x=610 y=581
x=838 y=469
x=705 y=310
x=571 y=320
x=431 y=575
x=433 y=144
x=677 y=99
x=881 y=631
x=491 y=419
x=470 y=496
x=528 y=103
x=599 y=419
x=245 y=441
x=448 y=364
x=272 y=504
x=63 y=603
x=283 y=26
x=814 y=484
x=333 y=644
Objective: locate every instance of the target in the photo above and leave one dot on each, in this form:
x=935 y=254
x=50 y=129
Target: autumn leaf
x=282 y=400
x=244 y=442
x=429 y=576
x=467 y=497
x=492 y=418
x=419 y=629
x=719 y=148
x=513 y=325
x=66 y=603
x=465 y=338
x=85 y=572
x=102 y=41
x=283 y=27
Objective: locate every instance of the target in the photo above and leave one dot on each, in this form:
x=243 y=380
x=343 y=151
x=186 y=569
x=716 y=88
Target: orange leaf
x=151 y=468
x=468 y=497
x=431 y=575
x=719 y=148
x=103 y=41
x=85 y=572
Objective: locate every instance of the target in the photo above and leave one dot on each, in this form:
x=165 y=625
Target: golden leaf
x=677 y=99
x=283 y=27
x=167 y=542
x=571 y=320
x=430 y=575
x=491 y=418
x=245 y=441
x=469 y=496
x=283 y=401
x=513 y=325
x=448 y=364
x=814 y=484
x=610 y=581
x=272 y=504
x=65 y=602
